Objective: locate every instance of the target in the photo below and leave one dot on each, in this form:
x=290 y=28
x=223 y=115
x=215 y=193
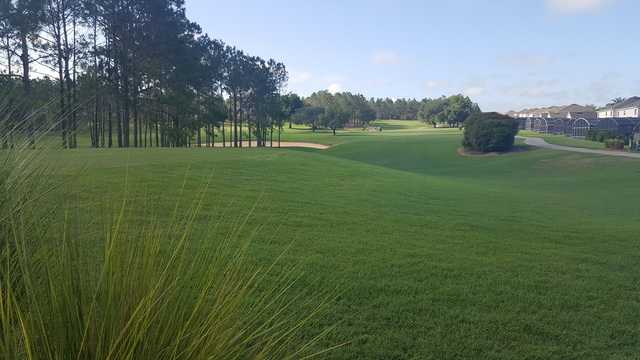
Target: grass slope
x=526 y=255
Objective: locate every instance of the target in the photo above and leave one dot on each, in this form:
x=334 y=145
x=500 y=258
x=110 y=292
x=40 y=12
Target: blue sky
x=505 y=54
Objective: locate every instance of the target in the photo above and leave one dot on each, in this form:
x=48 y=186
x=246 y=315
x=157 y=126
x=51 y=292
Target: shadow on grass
x=395 y=127
x=518 y=148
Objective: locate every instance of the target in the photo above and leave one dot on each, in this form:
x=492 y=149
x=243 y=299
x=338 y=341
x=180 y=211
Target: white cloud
x=436 y=87
x=576 y=6
x=473 y=91
x=432 y=84
x=385 y=57
x=300 y=77
x=525 y=60
x=335 y=88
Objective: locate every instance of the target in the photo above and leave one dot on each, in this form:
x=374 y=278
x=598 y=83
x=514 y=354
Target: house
x=551 y=112
x=606 y=112
x=578 y=112
x=572 y=111
x=629 y=108
x=527 y=113
x=559 y=112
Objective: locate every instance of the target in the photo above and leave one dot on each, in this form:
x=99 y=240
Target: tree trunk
x=241 y=122
x=224 y=139
x=136 y=129
x=110 y=126
x=74 y=113
x=235 y=119
x=66 y=52
x=119 y=124
x=95 y=76
x=9 y=57
x=26 y=83
x=62 y=116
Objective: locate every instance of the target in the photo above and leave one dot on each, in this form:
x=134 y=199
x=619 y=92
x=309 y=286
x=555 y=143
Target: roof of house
x=574 y=108
x=554 y=109
x=559 y=110
x=629 y=103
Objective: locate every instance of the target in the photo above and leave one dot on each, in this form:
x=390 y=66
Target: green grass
x=565 y=140
x=436 y=256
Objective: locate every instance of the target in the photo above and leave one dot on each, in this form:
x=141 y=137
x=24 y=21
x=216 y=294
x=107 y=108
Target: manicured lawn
x=433 y=256
x=565 y=140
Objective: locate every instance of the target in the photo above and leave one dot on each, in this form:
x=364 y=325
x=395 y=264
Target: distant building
x=558 y=112
x=578 y=112
x=629 y=108
x=606 y=112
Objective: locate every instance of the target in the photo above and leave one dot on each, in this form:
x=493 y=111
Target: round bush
x=490 y=132
x=614 y=144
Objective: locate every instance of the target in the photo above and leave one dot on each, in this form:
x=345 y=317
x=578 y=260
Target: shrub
x=600 y=135
x=614 y=144
x=490 y=132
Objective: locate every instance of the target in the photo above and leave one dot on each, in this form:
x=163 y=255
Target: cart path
x=283 y=144
x=539 y=142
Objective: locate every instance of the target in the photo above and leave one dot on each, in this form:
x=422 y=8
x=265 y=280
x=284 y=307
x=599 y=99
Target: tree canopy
x=452 y=110
x=140 y=73
x=137 y=72
x=334 y=111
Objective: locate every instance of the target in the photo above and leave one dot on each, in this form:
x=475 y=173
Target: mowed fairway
x=432 y=255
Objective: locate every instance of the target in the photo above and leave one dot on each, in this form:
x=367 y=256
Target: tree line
x=135 y=73
x=452 y=110
x=139 y=73
x=334 y=111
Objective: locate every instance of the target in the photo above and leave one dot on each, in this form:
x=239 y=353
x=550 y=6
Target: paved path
x=539 y=142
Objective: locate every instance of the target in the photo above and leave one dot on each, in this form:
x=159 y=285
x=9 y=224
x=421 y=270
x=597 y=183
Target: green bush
x=614 y=144
x=600 y=135
x=490 y=132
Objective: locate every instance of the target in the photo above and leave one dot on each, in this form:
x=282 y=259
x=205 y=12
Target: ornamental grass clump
x=149 y=290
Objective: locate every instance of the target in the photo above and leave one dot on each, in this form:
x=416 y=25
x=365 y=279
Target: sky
x=504 y=54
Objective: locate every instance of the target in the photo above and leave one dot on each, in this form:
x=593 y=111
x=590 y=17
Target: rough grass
x=526 y=255
x=82 y=280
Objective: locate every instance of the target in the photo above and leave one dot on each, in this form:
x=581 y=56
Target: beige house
x=559 y=112
x=606 y=112
x=578 y=112
x=630 y=108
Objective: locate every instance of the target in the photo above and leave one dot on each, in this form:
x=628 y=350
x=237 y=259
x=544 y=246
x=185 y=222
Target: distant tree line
x=452 y=110
x=399 y=109
x=134 y=73
x=334 y=111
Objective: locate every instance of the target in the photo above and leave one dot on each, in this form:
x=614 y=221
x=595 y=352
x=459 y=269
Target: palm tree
x=616 y=101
